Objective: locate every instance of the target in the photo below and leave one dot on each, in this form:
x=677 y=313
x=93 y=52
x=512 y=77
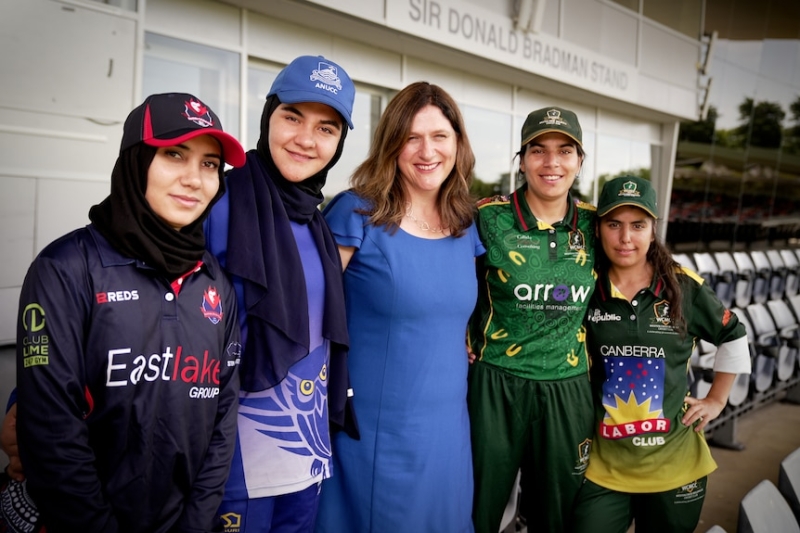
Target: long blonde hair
x=377 y=179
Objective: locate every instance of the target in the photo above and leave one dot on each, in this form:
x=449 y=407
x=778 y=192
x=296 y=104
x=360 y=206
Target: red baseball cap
x=172 y=118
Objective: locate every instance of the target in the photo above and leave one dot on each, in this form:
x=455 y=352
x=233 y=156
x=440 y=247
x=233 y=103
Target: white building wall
x=64 y=92
x=63 y=98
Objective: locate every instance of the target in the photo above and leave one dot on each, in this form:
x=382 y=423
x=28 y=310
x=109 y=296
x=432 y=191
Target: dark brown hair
x=377 y=179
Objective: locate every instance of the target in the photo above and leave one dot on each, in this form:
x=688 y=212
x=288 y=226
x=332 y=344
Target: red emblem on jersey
x=212 y=305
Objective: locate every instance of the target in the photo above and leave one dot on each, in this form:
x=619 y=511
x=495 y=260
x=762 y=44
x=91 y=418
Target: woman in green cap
x=529 y=393
x=649 y=460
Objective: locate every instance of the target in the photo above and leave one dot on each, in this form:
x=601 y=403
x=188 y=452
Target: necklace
x=421 y=224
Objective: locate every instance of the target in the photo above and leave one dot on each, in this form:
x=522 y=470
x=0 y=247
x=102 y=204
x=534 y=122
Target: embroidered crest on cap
x=326 y=73
x=629 y=189
x=553 y=117
x=198 y=113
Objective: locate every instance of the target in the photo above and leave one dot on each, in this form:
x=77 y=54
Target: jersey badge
x=212 y=305
x=661 y=310
x=577 y=241
x=577 y=245
x=583 y=456
x=231 y=522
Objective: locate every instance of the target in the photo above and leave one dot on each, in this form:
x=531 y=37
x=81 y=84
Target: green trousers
x=543 y=428
x=601 y=510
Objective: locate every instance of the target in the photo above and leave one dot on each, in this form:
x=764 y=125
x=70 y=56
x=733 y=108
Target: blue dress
x=408 y=303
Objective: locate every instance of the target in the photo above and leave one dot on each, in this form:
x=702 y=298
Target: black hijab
x=130 y=225
x=262 y=251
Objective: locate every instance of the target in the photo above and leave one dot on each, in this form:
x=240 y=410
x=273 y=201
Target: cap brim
x=622 y=203
x=552 y=130
x=232 y=150
x=297 y=97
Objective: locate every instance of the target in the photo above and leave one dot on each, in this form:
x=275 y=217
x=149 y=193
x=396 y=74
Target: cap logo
x=629 y=189
x=553 y=118
x=328 y=75
x=198 y=113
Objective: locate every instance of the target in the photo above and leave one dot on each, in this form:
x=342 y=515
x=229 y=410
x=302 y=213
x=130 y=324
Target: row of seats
x=741 y=278
x=770 y=509
x=761 y=288
x=773 y=334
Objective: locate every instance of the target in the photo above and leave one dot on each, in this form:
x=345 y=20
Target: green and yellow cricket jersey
x=640 y=445
x=535 y=281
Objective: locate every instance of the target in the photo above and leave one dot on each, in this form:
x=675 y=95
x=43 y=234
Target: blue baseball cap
x=316 y=79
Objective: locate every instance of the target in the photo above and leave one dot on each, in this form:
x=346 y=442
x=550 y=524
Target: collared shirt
x=641 y=445
x=127 y=390
x=535 y=282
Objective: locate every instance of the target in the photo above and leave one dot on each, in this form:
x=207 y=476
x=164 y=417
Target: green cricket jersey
x=535 y=281
x=640 y=445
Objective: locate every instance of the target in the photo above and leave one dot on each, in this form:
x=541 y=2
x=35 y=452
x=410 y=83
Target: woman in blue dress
x=407 y=240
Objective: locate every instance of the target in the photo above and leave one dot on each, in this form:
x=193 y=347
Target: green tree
x=482 y=189
x=761 y=123
x=792 y=134
x=701 y=131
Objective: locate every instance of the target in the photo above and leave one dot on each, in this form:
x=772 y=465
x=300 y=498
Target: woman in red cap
x=128 y=344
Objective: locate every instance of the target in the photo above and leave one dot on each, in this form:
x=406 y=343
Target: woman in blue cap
x=272 y=239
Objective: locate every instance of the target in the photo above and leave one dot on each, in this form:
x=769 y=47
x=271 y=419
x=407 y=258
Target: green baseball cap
x=552 y=119
x=628 y=190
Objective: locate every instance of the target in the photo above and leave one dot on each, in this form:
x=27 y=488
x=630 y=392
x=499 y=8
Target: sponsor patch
x=35 y=343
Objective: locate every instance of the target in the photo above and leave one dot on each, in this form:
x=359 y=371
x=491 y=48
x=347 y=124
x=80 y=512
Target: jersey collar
x=607 y=290
x=527 y=221
x=110 y=257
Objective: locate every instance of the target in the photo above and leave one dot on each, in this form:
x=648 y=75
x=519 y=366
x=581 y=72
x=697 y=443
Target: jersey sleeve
x=53 y=400
x=713 y=322
x=205 y=498
x=346 y=224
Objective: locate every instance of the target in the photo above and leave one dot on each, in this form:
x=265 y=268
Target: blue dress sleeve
x=480 y=249
x=347 y=225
